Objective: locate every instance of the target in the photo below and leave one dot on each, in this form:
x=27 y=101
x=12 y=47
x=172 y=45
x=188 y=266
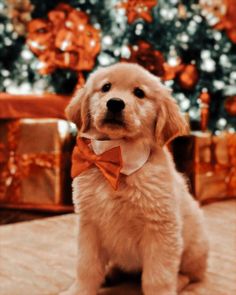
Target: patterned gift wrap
x=35 y=164
x=209 y=161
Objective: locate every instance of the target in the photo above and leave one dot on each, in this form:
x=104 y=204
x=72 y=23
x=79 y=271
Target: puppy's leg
x=90 y=263
x=194 y=258
x=183 y=281
x=116 y=276
x=161 y=259
x=194 y=289
x=195 y=268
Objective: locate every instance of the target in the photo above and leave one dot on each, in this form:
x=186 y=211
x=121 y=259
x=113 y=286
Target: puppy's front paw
x=154 y=290
x=186 y=292
x=183 y=281
x=194 y=289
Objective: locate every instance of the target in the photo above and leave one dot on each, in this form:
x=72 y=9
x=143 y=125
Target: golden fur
x=151 y=223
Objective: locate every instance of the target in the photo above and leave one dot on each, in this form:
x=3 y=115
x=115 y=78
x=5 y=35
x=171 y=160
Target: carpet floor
x=38 y=257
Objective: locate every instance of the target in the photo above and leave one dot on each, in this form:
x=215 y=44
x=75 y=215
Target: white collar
x=134 y=155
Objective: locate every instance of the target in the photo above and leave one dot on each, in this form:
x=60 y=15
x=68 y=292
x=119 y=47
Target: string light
x=174 y=35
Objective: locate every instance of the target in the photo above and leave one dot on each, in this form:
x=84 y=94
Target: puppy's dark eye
x=139 y=92
x=106 y=87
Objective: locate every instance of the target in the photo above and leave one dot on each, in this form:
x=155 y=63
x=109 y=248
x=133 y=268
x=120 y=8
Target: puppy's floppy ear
x=78 y=110
x=170 y=123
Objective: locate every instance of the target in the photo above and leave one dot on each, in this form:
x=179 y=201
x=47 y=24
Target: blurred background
x=48 y=49
x=47 y=46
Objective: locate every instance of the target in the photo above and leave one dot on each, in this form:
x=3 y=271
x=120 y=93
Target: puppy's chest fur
x=122 y=216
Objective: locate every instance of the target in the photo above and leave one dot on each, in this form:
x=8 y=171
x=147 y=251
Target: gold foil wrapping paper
x=35 y=163
x=209 y=161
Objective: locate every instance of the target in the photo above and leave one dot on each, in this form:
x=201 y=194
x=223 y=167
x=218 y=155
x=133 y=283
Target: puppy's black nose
x=115 y=105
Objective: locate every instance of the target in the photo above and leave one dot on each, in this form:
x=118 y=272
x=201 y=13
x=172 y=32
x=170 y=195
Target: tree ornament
x=64 y=40
x=228 y=21
x=213 y=8
x=224 y=13
x=173 y=65
x=188 y=77
x=138 y=9
x=145 y=55
x=230 y=105
x=182 y=11
x=171 y=72
x=80 y=81
x=19 y=11
x=205 y=99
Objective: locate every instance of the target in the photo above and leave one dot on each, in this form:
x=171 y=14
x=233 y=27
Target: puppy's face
x=126 y=101
x=121 y=102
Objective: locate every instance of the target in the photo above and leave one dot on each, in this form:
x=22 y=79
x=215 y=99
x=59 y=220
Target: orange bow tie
x=109 y=162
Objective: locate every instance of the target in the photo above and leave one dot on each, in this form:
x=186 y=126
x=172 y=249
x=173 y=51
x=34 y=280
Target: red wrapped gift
x=35 y=152
x=209 y=161
x=35 y=157
x=32 y=106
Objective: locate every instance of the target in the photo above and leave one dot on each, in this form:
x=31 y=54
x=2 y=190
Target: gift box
x=32 y=106
x=209 y=161
x=35 y=164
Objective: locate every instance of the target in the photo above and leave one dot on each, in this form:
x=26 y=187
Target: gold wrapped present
x=209 y=161
x=35 y=164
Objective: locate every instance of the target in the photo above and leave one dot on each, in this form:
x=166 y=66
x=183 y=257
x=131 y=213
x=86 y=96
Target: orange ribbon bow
x=109 y=162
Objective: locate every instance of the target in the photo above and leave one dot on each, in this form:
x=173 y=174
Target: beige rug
x=38 y=257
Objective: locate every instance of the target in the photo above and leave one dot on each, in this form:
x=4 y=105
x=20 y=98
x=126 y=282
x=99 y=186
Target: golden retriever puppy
x=150 y=223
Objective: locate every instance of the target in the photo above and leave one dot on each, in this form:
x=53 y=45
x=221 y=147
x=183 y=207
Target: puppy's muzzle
x=114 y=114
x=115 y=105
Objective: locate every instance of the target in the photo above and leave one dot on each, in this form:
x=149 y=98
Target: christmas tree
x=21 y=70
x=190 y=45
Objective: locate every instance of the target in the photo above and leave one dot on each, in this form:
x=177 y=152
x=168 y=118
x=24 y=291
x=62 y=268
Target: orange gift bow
x=138 y=9
x=40 y=36
x=76 y=19
x=64 y=40
x=109 y=162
